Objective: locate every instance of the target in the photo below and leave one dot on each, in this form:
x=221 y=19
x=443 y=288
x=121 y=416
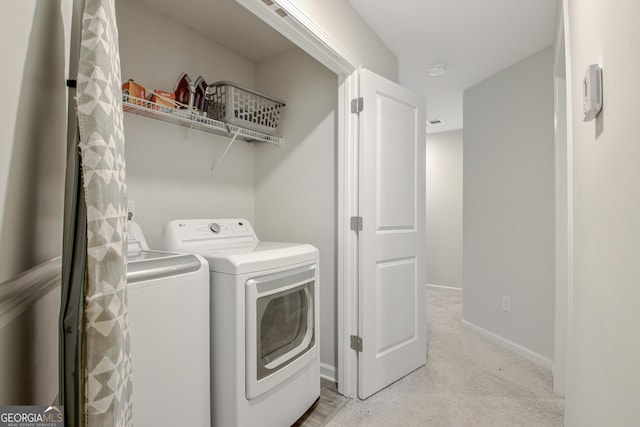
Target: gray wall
x=168 y=166
x=33 y=39
x=29 y=355
x=34 y=137
x=509 y=205
x=296 y=183
x=444 y=209
x=604 y=375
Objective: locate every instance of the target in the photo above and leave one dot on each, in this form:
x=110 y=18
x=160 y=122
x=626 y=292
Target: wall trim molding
x=528 y=354
x=453 y=288
x=328 y=372
x=24 y=290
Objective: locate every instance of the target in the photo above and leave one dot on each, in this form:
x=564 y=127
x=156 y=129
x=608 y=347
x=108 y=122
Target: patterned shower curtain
x=101 y=365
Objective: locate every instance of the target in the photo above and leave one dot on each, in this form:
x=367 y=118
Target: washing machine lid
x=231 y=246
x=259 y=257
x=147 y=265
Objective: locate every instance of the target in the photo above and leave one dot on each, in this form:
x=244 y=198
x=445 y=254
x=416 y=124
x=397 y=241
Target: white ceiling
x=474 y=38
x=227 y=23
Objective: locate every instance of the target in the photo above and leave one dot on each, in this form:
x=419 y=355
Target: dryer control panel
x=209 y=233
x=230 y=227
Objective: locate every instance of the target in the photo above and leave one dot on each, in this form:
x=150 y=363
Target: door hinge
x=356 y=343
x=357 y=104
x=356 y=223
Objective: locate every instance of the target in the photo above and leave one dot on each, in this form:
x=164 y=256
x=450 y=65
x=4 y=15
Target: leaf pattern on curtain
x=107 y=364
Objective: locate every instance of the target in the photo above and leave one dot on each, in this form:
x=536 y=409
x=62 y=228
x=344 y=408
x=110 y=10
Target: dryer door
x=281 y=327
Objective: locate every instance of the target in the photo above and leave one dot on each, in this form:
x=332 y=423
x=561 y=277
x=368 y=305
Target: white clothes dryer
x=265 y=368
x=168 y=307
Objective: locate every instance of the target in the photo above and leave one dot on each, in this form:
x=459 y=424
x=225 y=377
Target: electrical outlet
x=506 y=303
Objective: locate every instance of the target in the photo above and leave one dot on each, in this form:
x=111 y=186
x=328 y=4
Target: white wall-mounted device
x=592 y=92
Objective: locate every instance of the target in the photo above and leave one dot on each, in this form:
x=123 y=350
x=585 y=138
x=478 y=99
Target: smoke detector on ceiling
x=437 y=70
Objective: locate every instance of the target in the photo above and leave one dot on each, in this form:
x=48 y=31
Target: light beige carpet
x=467 y=381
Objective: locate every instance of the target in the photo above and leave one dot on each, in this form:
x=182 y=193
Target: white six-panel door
x=392 y=323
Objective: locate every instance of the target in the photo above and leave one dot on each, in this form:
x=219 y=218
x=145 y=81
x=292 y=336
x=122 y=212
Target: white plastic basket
x=244 y=107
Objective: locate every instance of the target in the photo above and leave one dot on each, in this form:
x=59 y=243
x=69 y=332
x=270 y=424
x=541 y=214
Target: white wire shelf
x=193 y=120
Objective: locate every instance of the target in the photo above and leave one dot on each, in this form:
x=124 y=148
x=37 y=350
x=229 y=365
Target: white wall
x=604 y=374
x=444 y=209
x=296 y=183
x=168 y=166
x=509 y=206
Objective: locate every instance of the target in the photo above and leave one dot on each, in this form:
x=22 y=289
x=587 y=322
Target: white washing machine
x=168 y=303
x=265 y=368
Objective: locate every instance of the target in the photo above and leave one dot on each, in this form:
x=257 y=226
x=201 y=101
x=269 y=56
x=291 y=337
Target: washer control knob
x=214 y=227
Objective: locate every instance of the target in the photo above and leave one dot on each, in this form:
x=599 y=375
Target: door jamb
x=563 y=208
x=348 y=269
x=306 y=34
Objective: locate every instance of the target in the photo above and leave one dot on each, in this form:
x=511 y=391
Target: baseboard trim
x=528 y=354
x=453 y=288
x=328 y=372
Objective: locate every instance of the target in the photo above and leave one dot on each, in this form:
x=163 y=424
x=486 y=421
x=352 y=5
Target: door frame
x=285 y=17
x=563 y=210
